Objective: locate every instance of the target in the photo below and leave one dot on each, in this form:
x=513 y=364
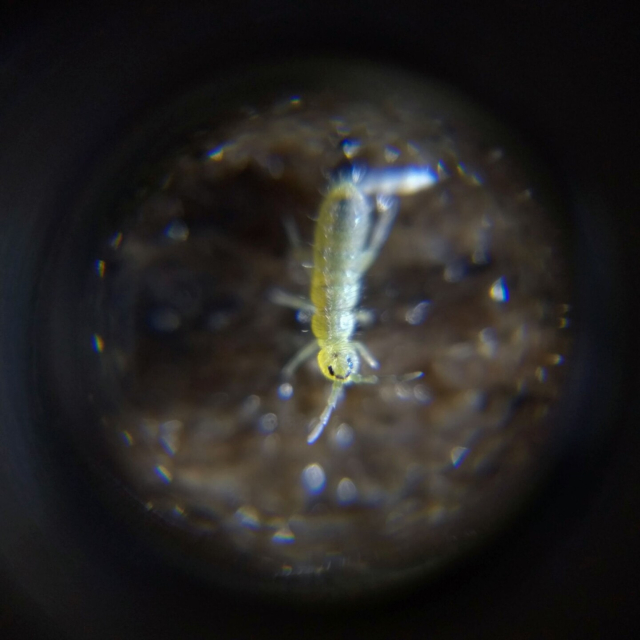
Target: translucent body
x=341 y=235
x=346 y=243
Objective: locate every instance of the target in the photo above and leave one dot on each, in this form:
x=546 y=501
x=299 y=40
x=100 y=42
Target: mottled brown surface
x=203 y=436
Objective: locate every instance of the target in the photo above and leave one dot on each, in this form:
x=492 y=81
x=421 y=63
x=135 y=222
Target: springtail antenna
x=336 y=394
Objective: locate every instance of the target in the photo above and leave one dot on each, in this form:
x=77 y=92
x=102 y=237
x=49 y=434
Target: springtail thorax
x=347 y=242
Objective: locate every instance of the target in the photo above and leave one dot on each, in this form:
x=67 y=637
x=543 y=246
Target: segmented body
x=346 y=243
x=341 y=235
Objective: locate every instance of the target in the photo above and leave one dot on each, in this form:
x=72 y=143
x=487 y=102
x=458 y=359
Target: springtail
x=348 y=239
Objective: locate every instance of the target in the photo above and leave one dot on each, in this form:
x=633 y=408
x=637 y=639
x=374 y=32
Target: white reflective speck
x=346 y=491
x=283 y=536
x=314 y=478
x=268 y=423
x=499 y=291
x=422 y=394
x=116 y=240
x=488 y=342
x=455 y=272
x=344 y=436
x=285 y=391
x=403 y=391
x=341 y=126
x=249 y=517
x=414 y=149
x=250 y=405
x=163 y=473
x=177 y=230
x=418 y=314
x=98 y=343
x=461 y=351
x=391 y=154
x=469 y=176
x=217 y=153
x=480 y=256
x=351 y=147
x=458 y=454
x=443 y=172
x=170 y=435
